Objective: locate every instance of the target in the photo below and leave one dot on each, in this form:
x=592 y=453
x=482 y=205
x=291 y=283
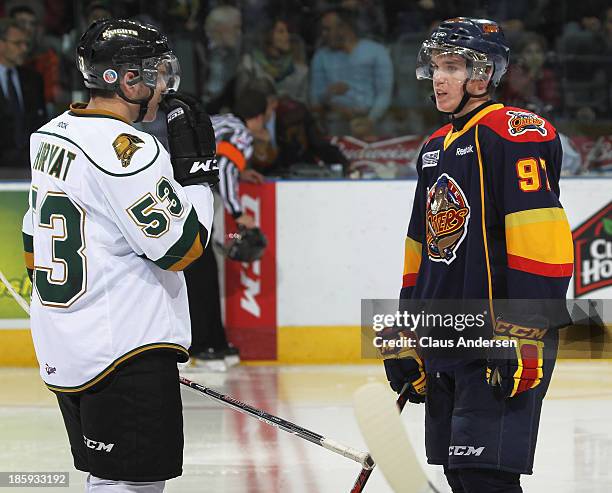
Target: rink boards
x=331 y=244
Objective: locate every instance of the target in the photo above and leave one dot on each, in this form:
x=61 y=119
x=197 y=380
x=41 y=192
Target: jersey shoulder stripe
x=107 y=141
x=99 y=164
x=186 y=249
x=441 y=132
x=519 y=125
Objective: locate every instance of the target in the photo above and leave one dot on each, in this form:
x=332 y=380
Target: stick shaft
x=362 y=457
x=365 y=473
x=18 y=298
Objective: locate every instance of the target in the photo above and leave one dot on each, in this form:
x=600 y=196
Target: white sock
x=99 y=485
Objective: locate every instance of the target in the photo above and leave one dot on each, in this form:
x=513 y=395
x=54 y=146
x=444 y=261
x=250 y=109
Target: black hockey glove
x=247 y=245
x=404 y=366
x=192 y=140
x=516 y=369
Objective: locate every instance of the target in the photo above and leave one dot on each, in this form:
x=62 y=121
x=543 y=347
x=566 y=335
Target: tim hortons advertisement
x=250 y=288
x=593 y=253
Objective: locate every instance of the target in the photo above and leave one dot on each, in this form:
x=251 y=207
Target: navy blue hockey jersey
x=486 y=221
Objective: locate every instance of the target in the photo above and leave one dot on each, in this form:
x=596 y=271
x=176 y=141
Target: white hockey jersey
x=107 y=233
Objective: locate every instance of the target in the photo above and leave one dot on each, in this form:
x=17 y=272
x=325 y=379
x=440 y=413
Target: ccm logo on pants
x=92 y=444
x=465 y=450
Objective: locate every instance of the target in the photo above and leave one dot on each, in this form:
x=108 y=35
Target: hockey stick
x=365 y=474
x=18 y=298
x=384 y=433
x=362 y=457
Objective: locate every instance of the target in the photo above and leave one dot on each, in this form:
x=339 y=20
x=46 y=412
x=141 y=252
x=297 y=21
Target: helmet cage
x=164 y=70
x=478 y=65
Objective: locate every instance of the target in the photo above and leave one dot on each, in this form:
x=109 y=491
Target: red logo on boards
x=593 y=252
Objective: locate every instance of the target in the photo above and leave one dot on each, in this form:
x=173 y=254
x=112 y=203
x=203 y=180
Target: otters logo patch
x=522 y=122
x=447 y=216
x=125 y=146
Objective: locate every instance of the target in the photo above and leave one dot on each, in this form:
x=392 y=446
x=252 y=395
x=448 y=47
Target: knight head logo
x=522 y=122
x=125 y=146
x=447 y=216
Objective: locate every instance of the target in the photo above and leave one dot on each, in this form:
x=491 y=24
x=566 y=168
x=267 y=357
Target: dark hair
x=346 y=16
x=20 y=9
x=101 y=93
x=6 y=24
x=250 y=103
x=268 y=30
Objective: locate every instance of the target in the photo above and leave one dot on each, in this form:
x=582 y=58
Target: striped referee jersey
x=234 y=149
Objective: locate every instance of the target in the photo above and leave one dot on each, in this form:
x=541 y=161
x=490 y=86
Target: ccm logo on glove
x=208 y=165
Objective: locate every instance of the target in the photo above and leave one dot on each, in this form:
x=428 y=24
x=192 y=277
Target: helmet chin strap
x=464 y=100
x=466 y=97
x=143 y=103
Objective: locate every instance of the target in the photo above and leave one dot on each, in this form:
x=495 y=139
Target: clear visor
x=163 y=71
x=435 y=57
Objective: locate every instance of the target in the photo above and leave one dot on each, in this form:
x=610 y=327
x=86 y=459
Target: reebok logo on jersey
x=462 y=151
x=49 y=369
x=100 y=446
x=465 y=450
x=431 y=158
x=208 y=165
x=125 y=146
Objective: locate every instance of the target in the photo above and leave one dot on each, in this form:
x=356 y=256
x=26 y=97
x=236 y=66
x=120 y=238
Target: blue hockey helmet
x=480 y=42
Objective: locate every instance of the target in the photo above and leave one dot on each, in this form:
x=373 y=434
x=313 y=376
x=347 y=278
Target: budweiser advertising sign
x=383 y=158
x=250 y=288
x=593 y=252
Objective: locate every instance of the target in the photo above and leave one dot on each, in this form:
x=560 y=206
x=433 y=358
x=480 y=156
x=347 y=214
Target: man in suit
x=22 y=103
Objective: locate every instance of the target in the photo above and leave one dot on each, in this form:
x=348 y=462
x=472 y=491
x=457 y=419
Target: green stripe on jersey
x=176 y=252
x=28 y=243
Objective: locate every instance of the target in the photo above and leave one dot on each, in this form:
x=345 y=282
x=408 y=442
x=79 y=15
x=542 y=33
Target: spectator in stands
x=370 y=21
x=290 y=135
x=71 y=77
x=22 y=104
x=608 y=34
x=415 y=18
x=530 y=82
x=581 y=49
x=351 y=78
x=41 y=56
x=218 y=55
x=279 y=58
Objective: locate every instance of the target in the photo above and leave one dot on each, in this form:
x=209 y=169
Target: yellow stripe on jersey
x=412 y=262
x=542 y=235
x=192 y=254
x=452 y=136
x=29 y=260
x=412 y=256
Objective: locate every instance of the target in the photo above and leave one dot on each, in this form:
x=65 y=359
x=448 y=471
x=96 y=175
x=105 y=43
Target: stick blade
x=384 y=433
